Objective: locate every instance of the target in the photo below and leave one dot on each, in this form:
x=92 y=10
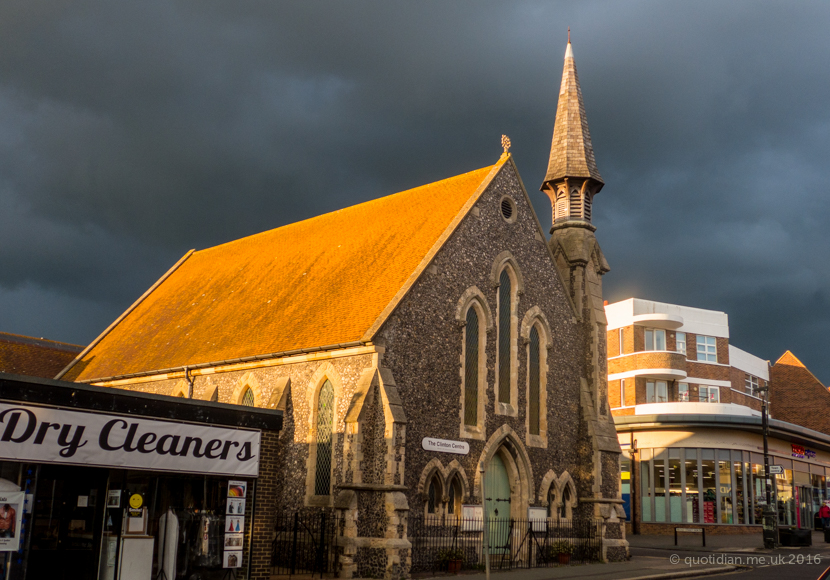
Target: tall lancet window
x=505 y=292
x=533 y=402
x=471 y=368
x=325 y=421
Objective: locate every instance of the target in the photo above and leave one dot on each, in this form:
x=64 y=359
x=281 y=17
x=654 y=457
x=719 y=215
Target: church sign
x=55 y=435
x=445 y=446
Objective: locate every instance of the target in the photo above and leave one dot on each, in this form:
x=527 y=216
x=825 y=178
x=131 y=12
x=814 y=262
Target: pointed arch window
x=454 y=498
x=248 y=398
x=471 y=356
x=553 y=509
x=325 y=421
x=534 y=394
x=565 y=506
x=505 y=311
x=432 y=498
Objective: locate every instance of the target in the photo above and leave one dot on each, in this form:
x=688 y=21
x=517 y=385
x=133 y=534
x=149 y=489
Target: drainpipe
x=189 y=380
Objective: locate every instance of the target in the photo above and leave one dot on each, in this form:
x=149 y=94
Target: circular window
x=508 y=209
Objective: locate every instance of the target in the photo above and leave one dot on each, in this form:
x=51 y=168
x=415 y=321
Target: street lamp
x=769 y=515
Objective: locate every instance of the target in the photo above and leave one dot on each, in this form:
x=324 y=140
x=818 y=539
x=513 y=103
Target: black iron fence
x=441 y=543
x=304 y=544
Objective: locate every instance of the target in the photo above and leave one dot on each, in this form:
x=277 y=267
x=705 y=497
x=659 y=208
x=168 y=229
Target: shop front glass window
x=645 y=484
x=758 y=491
x=739 y=487
x=660 y=487
x=693 y=506
x=625 y=485
x=675 y=486
x=819 y=491
x=785 y=498
x=707 y=469
x=725 y=484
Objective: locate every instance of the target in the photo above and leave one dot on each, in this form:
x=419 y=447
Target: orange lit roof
x=323 y=281
x=34 y=357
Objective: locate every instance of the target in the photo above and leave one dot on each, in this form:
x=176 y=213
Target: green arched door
x=497 y=503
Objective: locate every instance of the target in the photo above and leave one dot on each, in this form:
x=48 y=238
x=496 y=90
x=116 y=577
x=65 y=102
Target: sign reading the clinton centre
x=52 y=435
x=445 y=445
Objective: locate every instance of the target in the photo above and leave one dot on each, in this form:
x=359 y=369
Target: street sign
x=776 y=470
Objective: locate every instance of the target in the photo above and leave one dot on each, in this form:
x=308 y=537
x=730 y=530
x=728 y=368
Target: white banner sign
x=47 y=434
x=445 y=445
x=11 y=514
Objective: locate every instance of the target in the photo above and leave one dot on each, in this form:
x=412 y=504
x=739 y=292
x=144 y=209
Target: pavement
x=645 y=568
x=657 y=558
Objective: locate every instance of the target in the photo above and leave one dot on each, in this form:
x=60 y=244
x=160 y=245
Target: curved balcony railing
x=657 y=364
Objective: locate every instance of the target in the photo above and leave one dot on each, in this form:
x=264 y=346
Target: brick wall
x=266 y=506
x=613 y=338
x=797 y=396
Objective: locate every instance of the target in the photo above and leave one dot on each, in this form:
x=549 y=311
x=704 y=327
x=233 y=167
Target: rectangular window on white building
x=681 y=342
x=751 y=384
x=657 y=392
x=655 y=339
x=709 y=394
x=707 y=348
x=683 y=392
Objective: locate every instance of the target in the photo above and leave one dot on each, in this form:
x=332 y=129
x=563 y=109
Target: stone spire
x=572 y=178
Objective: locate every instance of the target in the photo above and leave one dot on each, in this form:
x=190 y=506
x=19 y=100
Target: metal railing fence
x=439 y=543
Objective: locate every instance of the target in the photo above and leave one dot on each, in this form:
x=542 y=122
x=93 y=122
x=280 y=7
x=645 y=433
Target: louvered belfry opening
x=533 y=379
x=576 y=204
x=504 y=337
x=587 y=207
x=325 y=421
x=471 y=368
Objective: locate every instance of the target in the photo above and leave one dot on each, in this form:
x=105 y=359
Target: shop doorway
x=804 y=501
x=67 y=520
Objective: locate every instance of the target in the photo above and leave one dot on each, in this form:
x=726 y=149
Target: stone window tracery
x=248 y=398
x=471 y=370
x=325 y=423
x=505 y=342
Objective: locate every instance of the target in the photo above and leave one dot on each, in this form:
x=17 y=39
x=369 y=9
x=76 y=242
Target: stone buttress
x=371 y=504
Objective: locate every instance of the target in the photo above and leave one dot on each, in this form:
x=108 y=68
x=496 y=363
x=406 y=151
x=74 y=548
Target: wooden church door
x=497 y=504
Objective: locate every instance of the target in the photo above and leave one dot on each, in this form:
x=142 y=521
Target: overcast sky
x=131 y=132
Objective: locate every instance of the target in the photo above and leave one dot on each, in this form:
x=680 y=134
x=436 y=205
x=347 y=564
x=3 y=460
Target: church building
x=386 y=331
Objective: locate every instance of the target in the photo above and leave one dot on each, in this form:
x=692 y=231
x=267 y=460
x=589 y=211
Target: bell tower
x=571 y=182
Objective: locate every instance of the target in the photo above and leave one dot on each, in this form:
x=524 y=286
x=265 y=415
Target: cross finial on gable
x=505 y=142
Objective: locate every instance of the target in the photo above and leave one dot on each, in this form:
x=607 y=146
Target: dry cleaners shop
x=104 y=484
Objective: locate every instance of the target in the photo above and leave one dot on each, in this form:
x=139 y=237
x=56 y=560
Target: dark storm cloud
x=130 y=133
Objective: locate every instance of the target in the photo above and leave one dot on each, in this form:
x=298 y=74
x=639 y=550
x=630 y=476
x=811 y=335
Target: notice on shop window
x=11 y=516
